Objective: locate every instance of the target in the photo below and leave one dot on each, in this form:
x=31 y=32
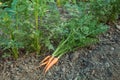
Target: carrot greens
x=75 y=38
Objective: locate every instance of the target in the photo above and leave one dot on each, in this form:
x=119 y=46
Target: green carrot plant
x=105 y=10
x=8 y=32
x=13 y=33
x=6 y=18
x=40 y=7
x=82 y=32
x=23 y=20
x=36 y=24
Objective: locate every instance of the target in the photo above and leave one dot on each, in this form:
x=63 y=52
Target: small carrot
x=45 y=59
x=42 y=64
x=54 y=61
x=49 y=61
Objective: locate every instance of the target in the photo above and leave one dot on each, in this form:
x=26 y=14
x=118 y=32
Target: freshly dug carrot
x=45 y=58
x=44 y=63
x=54 y=61
x=49 y=61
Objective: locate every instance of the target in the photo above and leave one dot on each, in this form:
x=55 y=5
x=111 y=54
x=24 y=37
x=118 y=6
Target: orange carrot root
x=49 y=61
x=45 y=59
x=44 y=63
x=48 y=66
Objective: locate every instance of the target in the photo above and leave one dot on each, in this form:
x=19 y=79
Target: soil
x=97 y=62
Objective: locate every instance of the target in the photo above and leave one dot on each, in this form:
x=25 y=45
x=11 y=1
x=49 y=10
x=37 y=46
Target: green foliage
x=35 y=25
x=6 y=55
x=82 y=32
x=7 y=3
x=105 y=10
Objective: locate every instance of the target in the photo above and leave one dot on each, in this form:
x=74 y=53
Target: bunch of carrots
x=50 y=60
x=74 y=39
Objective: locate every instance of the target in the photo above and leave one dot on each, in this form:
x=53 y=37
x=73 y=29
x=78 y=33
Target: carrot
x=45 y=59
x=43 y=63
x=54 y=61
x=49 y=61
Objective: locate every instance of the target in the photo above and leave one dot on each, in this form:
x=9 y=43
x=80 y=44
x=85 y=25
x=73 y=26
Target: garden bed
x=80 y=39
x=98 y=62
